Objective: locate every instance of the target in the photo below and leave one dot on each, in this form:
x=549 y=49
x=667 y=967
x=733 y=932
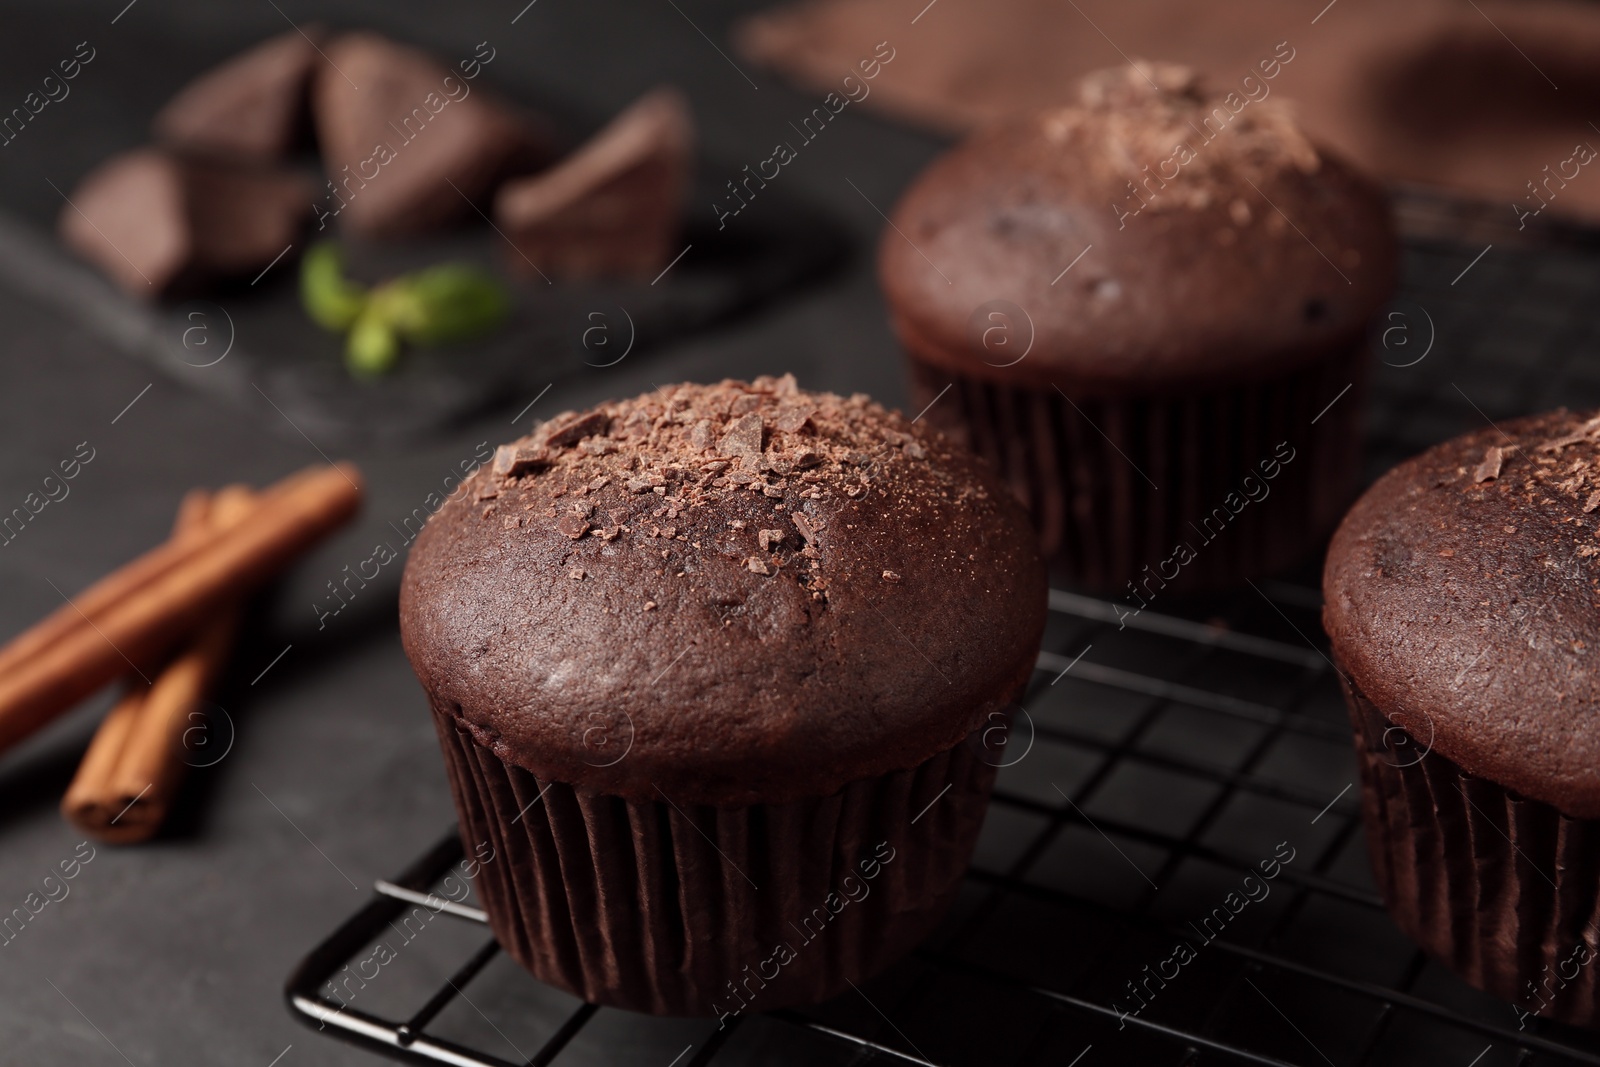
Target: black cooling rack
x=1164 y=760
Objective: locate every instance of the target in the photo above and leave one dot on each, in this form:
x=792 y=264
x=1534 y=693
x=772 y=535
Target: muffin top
x=1216 y=241
x=1463 y=598
x=724 y=594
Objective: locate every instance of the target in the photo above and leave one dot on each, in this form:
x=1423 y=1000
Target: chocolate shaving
x=1582 y=433
x=1492 y=461
x=1592 y=503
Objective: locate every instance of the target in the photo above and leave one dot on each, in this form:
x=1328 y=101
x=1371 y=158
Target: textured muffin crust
x=1213 y=249
x=1462 y=598
x=756 y=593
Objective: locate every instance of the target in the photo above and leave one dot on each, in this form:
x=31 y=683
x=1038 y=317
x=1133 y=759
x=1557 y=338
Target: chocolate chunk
x=614 y=207
x=772 y=491
x=576 y=574
x=743 y=437
x=757 y=566
x=769 y=539
x=252 y=107
x=890 y=576
x=511 y=522
x=514 y=459
x=793 y=420
x=406 y=142
x=803 y=524
x=159 y=224
x=574 y=526
x=915 y=450
x=572 y=432
x=1592 y=503
x=807 y=459
x=701 y=438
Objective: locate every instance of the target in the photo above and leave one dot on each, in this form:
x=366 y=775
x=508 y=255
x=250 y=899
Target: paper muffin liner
x=1503 y=890
x=675 y=909
x=1116 y=484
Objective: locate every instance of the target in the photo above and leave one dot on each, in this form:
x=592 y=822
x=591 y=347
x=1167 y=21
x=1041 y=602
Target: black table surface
x=176 y=951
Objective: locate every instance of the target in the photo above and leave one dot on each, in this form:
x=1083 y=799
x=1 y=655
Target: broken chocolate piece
x=572 y=432
x=514 y=459
x=794 y=419
x=757 y=566
x=743 y=437
x=574 y=526
x=803 y=524
x=252 y=107
x=407 y=144
x=576 y=574
x=890 y=576
x=701 y=437
x=769 y=539
x=159 y=224
x=614 y=207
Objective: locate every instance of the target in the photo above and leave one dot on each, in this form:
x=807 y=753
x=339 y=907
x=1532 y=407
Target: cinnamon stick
x=110 y=589
x=133 y=629
x=129 y=775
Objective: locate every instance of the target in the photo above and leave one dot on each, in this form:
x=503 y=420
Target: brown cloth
x=1473 y=96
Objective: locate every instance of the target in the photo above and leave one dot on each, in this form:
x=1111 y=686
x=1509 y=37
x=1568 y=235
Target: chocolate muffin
x=1463 y=605
x=1129 y=304
x=705 y=666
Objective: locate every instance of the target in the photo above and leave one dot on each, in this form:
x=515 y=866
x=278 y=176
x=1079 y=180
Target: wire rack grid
x=1168 y=755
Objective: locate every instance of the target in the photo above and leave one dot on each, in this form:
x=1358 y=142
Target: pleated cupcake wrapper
x=680 y=909
x=1503 y=890
x=1115 y=484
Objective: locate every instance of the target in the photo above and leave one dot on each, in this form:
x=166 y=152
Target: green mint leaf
x=372 y=348
x=332 y=300
x=449 y=302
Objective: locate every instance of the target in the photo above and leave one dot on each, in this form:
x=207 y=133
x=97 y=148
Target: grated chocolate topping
x=1136 y=116
x=650 y=469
